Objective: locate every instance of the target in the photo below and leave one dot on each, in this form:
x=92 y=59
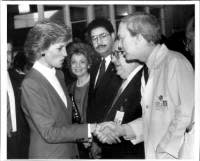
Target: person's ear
x=139 y=37
x=42 y=53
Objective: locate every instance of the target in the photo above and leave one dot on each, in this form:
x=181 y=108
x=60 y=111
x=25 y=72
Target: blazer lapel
x=107 y=76
x=125 y=95
x=49 y=86
x=62 y=83
x=131 y=85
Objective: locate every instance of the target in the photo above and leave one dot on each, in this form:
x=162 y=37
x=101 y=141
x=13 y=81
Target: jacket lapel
x=50 y=87
x=126 y=93
x=61 y=80
x=107 y=76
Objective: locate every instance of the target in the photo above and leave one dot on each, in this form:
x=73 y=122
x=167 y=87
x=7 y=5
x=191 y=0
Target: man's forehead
x=122 y=29
x=98 y=30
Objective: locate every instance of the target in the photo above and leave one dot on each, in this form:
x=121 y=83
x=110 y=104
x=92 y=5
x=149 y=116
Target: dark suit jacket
x=101 y=96
x=51 y=131
x=129 y=100
x=20 y=138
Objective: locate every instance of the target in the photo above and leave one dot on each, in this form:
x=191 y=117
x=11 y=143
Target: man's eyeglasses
x=117 y=53
x=102 y=36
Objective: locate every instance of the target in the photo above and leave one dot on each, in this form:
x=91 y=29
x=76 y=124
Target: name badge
x=119 y=117
x=161 y=104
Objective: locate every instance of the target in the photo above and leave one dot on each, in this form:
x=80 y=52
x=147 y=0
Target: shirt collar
x=108 y=60
x=130 y=77
x=43 y=69
x=156 y=56
x=134 y=72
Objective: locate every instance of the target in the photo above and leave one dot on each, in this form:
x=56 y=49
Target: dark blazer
x=52 y=134
x=101 y=96
x=129 y=100
x=20 y=138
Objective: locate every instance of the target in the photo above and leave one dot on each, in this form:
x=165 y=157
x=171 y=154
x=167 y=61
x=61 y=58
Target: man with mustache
x=104 y=82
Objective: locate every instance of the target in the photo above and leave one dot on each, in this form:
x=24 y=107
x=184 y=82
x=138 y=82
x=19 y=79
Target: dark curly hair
x=100 y=22
x=79 y=48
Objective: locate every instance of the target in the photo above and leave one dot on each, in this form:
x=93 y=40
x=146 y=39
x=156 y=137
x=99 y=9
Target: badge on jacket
x=160 y=103
x=119 y=117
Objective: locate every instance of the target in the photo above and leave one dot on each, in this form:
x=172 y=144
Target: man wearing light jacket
x=167 y=97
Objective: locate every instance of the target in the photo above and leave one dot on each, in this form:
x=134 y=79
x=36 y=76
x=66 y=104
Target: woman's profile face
x=79 y=65
x=55 y=55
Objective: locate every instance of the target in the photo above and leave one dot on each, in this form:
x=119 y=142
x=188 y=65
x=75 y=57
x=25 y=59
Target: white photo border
x=3 y=58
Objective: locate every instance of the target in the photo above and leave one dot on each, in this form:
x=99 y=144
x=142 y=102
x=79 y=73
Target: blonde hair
x=145 y=24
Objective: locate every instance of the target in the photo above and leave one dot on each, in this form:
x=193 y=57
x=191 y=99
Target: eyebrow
x=100 y=34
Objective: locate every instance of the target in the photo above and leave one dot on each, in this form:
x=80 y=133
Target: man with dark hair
x=167 y=96
x=104 y=82
x=100 y=22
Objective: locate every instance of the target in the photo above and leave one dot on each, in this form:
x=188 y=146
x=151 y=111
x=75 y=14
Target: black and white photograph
x=100 y=80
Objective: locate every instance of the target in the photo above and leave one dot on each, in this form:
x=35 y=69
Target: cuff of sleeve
x=137 y=127
x=134 y=131
x=89 y=132
x=129 y=133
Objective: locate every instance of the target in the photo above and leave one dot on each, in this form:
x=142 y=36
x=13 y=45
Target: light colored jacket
x=167 y=104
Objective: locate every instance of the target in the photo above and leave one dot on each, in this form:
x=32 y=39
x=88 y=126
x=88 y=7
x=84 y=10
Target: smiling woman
x=79 y=62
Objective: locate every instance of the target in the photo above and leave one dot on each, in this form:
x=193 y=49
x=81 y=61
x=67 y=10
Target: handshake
x=109 y=132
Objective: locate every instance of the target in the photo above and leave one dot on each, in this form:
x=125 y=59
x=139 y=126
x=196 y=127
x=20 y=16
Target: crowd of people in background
x=133 y=88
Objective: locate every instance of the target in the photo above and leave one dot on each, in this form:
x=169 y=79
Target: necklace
x=80 y=84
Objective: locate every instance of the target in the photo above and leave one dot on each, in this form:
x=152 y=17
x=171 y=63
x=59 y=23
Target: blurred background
x=21 y=18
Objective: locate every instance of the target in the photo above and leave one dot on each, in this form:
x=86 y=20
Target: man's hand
x=109 y=132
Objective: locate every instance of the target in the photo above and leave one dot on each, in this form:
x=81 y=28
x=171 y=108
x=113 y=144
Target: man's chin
x=119 y=73
x=103 y=53
x=129 y=57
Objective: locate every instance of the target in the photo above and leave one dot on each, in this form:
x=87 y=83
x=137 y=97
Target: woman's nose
x=64 y=52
